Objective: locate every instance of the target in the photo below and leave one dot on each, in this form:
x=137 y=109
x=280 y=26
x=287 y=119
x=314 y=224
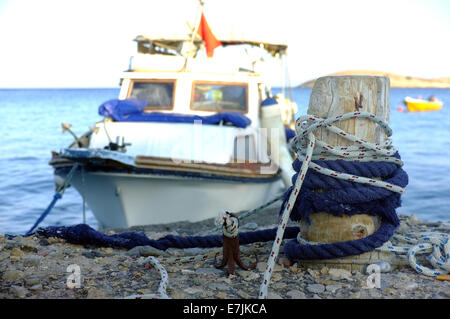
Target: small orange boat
x=419 y=105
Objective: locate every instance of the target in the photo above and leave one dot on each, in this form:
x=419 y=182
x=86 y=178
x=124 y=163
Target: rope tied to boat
x=58 y=195
x=309 y=149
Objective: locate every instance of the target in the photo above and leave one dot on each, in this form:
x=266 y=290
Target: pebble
x=296 y=294
x=208 y=271
x=12 y=275
x=192 y=291
x=411 y=285
x=261 y=266
x=187 y=271
x=145 y=251
x=37 y=287
x=339 y=274
x=385 y=267
x=219 y=286
x=16 y=252
x=248 y=275
x=242 y=294
x=43 y=242
x=273 y=295
x=94 y=293
x=356 y=295
x=413 y=219
x=19 y=291
x=32 y=281
x=15 y=259
x=333 y=288
x=145 y=291
x=316 y=288
x=32 y=261
x=92 y=254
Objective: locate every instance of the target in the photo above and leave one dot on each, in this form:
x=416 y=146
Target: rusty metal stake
x=231 y=249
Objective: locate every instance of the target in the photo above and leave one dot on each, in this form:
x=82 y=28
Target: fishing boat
x=187 y=137
x=419 y=105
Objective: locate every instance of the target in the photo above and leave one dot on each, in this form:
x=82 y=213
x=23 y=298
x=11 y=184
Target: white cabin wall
x=124 y=89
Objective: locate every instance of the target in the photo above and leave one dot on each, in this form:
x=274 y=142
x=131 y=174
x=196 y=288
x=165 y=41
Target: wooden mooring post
x=331 y=96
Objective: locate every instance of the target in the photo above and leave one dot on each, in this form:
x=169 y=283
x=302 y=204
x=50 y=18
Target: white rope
x=307 y=149
x=251 y=212
x=229 y=223
x=434 y=244
x=161 y=294
x=406 y=255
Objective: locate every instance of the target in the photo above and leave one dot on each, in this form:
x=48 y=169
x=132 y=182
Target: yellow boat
x=419 y=105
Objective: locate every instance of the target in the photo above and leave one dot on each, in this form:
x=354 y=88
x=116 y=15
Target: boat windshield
x=158 y=93
x=219 y=97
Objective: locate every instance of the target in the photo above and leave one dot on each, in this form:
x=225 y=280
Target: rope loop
x=229 y=223
x=341 y=195
x=438 y=245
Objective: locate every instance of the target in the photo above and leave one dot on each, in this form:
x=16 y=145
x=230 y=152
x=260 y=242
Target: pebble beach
x=40 y=268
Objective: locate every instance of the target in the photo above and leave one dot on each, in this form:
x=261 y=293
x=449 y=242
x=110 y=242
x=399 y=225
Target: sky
x=88 y=43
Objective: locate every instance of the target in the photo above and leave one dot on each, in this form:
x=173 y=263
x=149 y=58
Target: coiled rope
x=438 y=245
x=308 y=149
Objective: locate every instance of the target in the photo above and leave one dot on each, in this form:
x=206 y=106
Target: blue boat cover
x=132 y=110
x=289 y=133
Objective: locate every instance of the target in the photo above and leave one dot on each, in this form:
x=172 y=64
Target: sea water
x=30 y=129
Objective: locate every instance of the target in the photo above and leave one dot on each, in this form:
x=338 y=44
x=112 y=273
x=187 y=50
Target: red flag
x=210 y=40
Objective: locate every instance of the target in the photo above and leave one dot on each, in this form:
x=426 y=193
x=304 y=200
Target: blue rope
x=83 y=234
x=338 y=197
x=57 y=196
x=294 y=250
x=44 y=214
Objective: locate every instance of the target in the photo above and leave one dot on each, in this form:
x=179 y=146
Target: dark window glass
x=157 y=94
x=219 y=97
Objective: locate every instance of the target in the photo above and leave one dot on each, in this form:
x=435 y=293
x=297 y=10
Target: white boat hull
x=120 y=200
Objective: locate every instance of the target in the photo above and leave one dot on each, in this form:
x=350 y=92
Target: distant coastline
x=397 y=81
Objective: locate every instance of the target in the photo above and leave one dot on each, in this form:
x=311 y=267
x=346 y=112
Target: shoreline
x=36 y=267
x=396 y=80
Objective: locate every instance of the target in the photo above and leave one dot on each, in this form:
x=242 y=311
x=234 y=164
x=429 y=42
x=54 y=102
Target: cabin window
x=158 y=93
x=219 y=97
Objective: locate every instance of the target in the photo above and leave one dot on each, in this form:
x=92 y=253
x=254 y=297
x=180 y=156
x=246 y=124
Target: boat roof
x=172 y=34
x=175 y=43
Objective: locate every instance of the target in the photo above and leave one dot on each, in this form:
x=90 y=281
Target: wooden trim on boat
x=254 y=170
x=244 y=170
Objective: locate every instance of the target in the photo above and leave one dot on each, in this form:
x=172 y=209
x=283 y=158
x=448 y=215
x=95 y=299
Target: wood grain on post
x=335 y=95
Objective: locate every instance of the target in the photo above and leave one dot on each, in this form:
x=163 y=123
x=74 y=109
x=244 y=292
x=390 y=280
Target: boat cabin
x=181 y=87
